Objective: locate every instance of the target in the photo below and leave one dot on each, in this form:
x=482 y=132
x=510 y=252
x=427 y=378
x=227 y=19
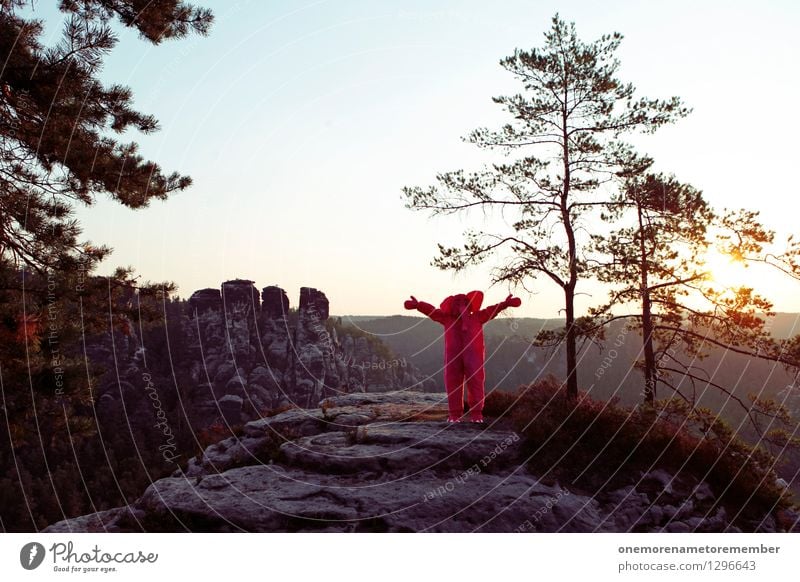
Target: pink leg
x=476 y=378
x=454 y=384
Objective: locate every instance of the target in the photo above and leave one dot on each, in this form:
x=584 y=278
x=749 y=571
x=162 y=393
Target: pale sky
x=300 y=122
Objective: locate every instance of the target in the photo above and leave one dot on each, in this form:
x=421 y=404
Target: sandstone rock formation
x=205 y=299
x=388 y=462
x=245 y=353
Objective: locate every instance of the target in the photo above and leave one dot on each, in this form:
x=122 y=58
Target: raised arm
x=436 y=315
x=492 y=311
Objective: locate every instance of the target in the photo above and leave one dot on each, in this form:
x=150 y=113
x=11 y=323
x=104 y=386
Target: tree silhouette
x=60 y=146
x=565 y=134
x=654 y=258
x=57 y=126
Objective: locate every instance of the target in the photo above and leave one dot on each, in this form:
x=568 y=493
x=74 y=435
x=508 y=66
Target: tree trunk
x=649 y=354
x=647 y=319
x=572 y=254
x=571 y=339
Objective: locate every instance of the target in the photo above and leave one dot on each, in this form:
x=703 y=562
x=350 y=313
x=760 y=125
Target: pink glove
x=512 y=301
x=411 y=303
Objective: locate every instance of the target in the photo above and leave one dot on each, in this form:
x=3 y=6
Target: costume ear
x=475 y=300
x=446 y=303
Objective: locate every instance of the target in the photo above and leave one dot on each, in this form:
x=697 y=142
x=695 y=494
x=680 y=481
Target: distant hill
x=604 y=371
x=785 y=325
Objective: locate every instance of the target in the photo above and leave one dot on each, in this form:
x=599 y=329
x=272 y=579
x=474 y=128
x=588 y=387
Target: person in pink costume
x=464 y=352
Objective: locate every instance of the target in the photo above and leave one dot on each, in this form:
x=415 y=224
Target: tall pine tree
x=59 y=126
x=565 y=132
x=61 y=146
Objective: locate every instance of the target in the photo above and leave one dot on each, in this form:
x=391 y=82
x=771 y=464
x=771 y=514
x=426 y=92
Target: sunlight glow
x=727 y=270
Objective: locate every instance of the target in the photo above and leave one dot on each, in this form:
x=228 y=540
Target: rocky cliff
x=255 y=355
x=235 y=353
x=388 y=462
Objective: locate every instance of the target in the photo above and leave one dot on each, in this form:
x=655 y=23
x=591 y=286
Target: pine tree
x=565 y=131
x=60 y=146
x=58 y=123
x=654 y=259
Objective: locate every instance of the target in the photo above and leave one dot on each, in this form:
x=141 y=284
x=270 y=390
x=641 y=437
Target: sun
x=725 y=269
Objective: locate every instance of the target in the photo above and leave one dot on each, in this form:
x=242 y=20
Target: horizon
x=300 y=125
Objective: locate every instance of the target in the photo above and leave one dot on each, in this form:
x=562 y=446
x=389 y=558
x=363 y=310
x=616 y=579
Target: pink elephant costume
x=464 y=352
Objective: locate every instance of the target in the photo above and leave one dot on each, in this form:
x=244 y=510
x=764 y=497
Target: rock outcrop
x=274 y=302
x=238 y=353
x=389 y=462
x=257 y=350
x=205 y=299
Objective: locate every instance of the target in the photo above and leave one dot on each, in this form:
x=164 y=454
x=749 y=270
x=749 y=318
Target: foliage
x=655 y=258
x=56 y=459
x=592 y=445
x=60 y=146
x=376 y=346
x=565 y=137
x=59 y=124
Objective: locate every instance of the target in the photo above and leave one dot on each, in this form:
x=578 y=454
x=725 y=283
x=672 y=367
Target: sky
x=300 y=123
